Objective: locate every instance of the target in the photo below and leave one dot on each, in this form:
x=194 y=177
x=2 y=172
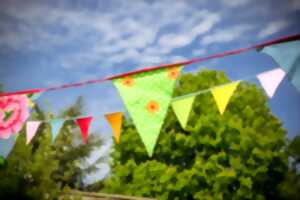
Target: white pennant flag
x=31 y=128
x=270 y=80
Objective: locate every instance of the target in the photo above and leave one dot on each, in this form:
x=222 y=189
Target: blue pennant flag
x=287 y=55
x=56 y=125
x=6 y=145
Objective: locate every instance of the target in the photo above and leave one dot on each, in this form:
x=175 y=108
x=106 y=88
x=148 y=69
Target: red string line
x=183 y=63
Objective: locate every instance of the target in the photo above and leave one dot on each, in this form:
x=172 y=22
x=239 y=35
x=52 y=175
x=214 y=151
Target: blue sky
x=48 y=43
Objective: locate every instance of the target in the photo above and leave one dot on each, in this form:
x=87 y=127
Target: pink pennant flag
x=31 y=128
x=270 y=80
x=84 y=124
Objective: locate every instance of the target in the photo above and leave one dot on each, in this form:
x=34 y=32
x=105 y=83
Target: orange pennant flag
x=115 y=120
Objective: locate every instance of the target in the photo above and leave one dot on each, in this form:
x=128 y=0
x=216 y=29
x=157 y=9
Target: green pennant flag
x=182 y=108
x=147 y=97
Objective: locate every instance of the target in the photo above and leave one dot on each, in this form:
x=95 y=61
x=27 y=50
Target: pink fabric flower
x=13 y=113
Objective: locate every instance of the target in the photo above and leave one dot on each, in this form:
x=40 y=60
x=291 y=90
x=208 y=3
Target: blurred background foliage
x=41 y=170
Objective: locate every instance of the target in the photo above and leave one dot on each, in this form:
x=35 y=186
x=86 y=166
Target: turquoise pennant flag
x=287 y=55
x=56 y=125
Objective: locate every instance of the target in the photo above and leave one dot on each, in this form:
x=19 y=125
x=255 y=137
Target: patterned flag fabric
x=287 y=55
x=147 y=97
x=222 y=95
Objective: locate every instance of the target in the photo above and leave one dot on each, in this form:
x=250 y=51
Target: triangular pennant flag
x=223 y=93
x=287 y=55
x=182 y=108
x=84 y=124
x=6 y=145
x=31 y=129
x=35 y=96
x=56 y=125
x=147 y=96
x=115 y=120
x=270 y=80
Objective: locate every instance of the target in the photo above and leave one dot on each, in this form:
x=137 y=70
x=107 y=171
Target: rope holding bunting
x=183 y=63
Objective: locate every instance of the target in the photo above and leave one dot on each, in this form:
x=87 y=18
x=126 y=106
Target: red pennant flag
x=84 y=124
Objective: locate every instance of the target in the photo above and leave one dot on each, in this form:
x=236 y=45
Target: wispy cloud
x=226 y=35
x=272 y=28
x=294 y=4
x=235 y=3
x=172 y=41
x=199 y=52
x=121 y=35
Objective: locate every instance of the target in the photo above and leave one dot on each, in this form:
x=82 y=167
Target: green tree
x=41 y=169
x=236 y=155
x=289 y=188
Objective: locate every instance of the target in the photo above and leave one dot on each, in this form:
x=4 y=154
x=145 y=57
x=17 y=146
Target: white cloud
x=171 y=41
x=105 y=37
x=199 y=52
x=235 y=3
x=294 y=5
x=206 y=24
x=225 y=35
x=272 y=28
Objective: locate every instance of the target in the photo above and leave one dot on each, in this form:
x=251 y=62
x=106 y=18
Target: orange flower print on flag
x=148 y=100
x=173 y=73
x=153 y=107
x=128 y=81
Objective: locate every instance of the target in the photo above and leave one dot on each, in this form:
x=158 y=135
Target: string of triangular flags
x=150 y=109
x=147 y=96
x=273 y=47
x=115 y=120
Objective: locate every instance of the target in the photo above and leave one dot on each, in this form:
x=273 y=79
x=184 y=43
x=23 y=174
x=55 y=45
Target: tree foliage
x=41 y=170
x=236 y=155
x=289 y=188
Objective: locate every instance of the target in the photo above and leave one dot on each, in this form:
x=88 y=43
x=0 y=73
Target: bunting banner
x=147 y=94
x=223 y=93
x=287 y=55
x=182 y=108
x=84 y=124
x=147 y=97
x=270 y=80
x=286 y=39
x=56 y=125
x=115 y=121
x=31 y=129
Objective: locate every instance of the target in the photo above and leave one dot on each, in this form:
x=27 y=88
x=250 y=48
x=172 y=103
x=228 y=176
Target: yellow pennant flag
x=115 y=120
x=223 y=93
